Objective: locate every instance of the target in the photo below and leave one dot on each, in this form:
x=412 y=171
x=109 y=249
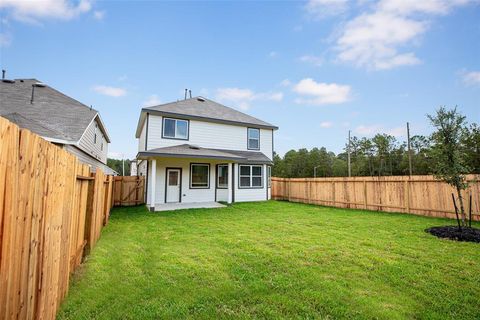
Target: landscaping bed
x=455 y=233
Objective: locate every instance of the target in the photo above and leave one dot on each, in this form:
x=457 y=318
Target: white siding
x=188 y=195
x=88 y=145
x=199 y=195
x=141 y=140
x=209 y=135
x=253 y=194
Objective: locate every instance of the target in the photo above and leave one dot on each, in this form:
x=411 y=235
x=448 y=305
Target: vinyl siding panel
x=86 y=159
x=141 y=140
x=251 y=194
x=88 y=145
x=209 y=135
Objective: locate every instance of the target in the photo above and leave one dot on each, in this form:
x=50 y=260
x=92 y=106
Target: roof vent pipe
x=190 y=91
x=186 y=90
x=33 y=93
x=3 y=74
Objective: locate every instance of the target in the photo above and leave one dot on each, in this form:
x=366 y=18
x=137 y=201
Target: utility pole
x=348 y=153
x=409 y=150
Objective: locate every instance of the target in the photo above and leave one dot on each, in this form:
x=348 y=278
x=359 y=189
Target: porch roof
x=192 y=151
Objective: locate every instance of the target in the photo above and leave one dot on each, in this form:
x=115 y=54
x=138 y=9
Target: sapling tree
x=448 y=154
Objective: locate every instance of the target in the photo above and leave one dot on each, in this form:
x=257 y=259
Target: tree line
x=381 y=155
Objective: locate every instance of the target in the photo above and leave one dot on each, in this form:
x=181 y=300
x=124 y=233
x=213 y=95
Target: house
x=57 y=118
x=198 y=151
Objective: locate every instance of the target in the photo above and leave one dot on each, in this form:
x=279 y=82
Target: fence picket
x=421 y=195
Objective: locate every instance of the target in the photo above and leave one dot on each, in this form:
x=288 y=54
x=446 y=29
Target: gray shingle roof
x=191 y=151
x=202 y=108
x=52 y=114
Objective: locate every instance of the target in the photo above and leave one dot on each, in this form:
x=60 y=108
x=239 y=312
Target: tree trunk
x=462 y=209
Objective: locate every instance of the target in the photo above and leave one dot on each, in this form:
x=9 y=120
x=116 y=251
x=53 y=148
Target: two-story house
x=57 y=118
x=198 y=151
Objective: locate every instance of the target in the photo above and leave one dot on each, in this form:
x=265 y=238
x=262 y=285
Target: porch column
x=153 y=184
x=230 y=184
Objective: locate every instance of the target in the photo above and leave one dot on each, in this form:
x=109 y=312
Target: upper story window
x=253 y=139
x=95 y=134
x=175 y=128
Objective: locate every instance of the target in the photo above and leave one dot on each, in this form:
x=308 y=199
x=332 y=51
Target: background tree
x=116 y=164
x=448 y=154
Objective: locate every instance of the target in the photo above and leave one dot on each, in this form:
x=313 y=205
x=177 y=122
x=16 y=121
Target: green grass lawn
x=274 y=260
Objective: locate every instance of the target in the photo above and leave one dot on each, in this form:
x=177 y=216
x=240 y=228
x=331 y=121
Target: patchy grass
x=274 y=260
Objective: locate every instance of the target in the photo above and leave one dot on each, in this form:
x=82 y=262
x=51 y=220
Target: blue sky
x=316 y=69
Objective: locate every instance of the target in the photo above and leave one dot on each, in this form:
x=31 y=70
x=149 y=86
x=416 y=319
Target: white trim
x=54 y=140
x=153 y=182
x=230 y=183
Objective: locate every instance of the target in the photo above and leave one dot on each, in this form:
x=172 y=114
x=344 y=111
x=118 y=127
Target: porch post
x=154 y=182
x=230 y=184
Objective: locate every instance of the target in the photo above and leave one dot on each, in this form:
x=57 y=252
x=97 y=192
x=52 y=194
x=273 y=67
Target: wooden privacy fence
x=51 y=208
x=421 y=195
x=129 y=190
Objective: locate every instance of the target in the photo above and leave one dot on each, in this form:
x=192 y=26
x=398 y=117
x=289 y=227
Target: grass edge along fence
x=52 y=210
x=420 y=195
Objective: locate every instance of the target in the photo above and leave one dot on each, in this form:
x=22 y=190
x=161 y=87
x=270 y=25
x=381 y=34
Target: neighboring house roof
x=191 y=151
x=51 y=114
x=203 y=109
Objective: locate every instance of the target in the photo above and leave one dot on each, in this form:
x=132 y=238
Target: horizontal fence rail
x=52 y=210
x=420 y=195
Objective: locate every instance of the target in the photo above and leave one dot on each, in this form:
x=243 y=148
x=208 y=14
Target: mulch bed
x=454 y=233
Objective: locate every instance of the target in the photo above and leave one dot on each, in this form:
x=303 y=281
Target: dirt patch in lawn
x=454 y=233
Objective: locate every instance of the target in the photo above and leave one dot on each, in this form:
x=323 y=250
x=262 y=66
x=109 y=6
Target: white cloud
x=32 y=11
x=371 y=130
x=374 y=40
x=99 y=15
x=471 y=77
x=324 y=8
x=153 y=100
x=242 y=98
x=273 y=54
x=322 y=93
x=5 y=39
x=326 y=124
x=285 y=83
x=110 y=91
x=314 y=60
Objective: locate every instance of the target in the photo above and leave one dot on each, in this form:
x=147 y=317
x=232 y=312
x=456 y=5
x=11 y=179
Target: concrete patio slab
x=192 y=205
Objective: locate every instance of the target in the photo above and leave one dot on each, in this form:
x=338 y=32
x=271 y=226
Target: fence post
x=407 y=195
x=365 y=193
x=90 y=212
x=333 y=193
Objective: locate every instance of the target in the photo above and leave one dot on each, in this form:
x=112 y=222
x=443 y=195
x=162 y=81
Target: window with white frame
x=250 y=176
x=222 y=176
x=199 y=176
x=175 y=128
x=95 y=134
x=253 y=139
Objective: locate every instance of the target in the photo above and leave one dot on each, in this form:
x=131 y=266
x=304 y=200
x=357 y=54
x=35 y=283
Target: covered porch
x=187 y=176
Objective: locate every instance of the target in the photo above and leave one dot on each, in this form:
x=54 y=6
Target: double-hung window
x=251 y=176
x=175 y=128
x=222 y=176
x=253 y=139
x=199 y=176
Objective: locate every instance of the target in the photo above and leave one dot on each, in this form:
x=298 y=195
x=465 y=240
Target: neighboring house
x=197 y=150
x=57 y=118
